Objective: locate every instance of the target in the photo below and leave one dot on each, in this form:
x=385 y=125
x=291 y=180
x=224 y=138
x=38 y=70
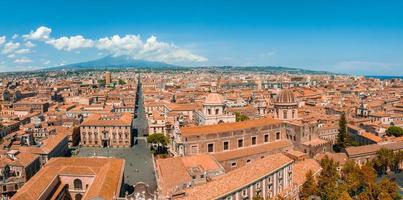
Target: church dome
x=285 y=96
x=214 y=98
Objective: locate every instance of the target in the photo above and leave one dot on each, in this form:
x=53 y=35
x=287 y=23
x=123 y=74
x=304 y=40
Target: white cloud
x=22 y=60
x=29 y=44
x=120 y=45
x=10 y=47
x=15 y=36
x=42 y=33
x=152 y=49
x=46 y=62
x=23 y=51
x=129 y=45
x=2 y=40
x=71 y=43
x=11 y=56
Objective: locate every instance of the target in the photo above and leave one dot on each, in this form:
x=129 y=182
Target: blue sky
x=356 y=37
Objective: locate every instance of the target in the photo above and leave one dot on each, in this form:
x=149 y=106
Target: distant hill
x=270 y=69
x=123 y=62
x=114 y=62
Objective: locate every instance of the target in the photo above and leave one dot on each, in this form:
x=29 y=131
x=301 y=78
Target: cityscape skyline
x=357 y=38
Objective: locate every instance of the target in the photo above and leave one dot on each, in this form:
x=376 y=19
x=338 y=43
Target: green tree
x=352 y=177
x=388 y=189
x=384 y=159
x=121 y=82
x=159 y=139
x=328 y=180
x=101 y=82
x=310 y=187
x=397 y=159
x=395 y=131
x=240 y=117
x=342 y=135
x=345 y=196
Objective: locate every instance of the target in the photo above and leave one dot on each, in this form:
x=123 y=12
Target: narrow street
x=138 y=158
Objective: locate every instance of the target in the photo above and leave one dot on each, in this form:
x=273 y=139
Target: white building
x=213 y=111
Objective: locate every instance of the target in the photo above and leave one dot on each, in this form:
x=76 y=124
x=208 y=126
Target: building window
x=240 y=143
x=285 y=114
x=233 y=164
x=78 y=184
x=277 y=135
x=226 y=145
x=209 y=111
x=266 y=138
x=293 y=114
x=244 y=192
x=216 y=111
x=254 y=140
x=210 y=147
x=194 y=149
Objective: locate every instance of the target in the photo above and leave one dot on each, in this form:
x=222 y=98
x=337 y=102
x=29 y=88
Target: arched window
x=285 y=114
x=78 y=184
x=293 y=114
x=216 y=111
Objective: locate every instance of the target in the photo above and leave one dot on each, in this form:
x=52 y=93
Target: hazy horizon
x=357 y=38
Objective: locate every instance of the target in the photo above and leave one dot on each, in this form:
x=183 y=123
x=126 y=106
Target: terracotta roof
x=107 y=172
x=238 y=178
x=225 y=127
x=372 y=149
x=371 y=137
x=285 y=96
x=301 y=168
x=182 y=107
x=214 y=98
x=315 y=142
x=252 y=150
x=173 y=171
x=122 y=119
x=341 y=158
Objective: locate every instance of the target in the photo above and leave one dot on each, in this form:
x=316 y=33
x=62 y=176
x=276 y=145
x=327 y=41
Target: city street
x=139 y=162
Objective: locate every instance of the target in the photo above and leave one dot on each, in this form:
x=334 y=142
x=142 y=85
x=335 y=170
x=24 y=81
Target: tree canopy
x=160 y=140
x=395 y=131
x=240 y=117
x=342 y=134
x=353 y=182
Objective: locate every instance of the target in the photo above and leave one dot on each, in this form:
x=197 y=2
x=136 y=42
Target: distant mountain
x=122 y=62
x=270 y=69
x=114 y=62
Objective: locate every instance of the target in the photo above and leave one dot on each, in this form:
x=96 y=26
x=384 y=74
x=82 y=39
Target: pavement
x=139 y=160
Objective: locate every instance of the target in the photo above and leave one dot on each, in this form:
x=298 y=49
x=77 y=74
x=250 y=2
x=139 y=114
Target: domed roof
x=285 y=96
x=214 y=98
